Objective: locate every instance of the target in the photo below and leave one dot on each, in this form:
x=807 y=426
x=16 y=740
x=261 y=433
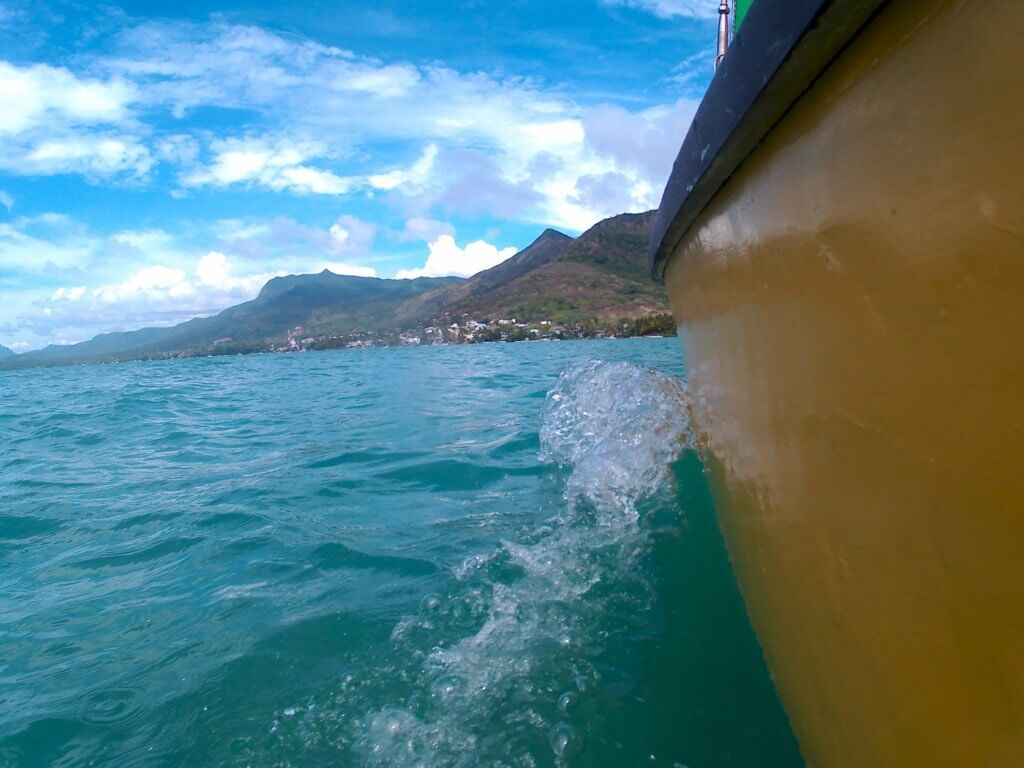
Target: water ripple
x=328 y=559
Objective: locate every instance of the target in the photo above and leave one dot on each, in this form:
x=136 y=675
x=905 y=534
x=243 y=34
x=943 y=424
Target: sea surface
x=492 y=555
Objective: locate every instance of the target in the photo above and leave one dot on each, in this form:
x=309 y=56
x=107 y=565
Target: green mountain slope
x=318 y=304
x=5 y=352
x=472 y=294
x=601 y=274
x=106 y=344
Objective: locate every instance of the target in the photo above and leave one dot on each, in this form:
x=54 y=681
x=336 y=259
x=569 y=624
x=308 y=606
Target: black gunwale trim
x=782 y=47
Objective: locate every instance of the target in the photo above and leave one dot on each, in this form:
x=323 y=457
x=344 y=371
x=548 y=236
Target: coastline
x=500 y=332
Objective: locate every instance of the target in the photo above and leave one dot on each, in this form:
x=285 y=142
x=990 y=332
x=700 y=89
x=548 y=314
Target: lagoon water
x=493 y=555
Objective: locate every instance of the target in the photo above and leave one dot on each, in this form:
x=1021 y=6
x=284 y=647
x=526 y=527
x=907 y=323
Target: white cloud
x=312 y=180
x=6 y=200
x=38 y=246
x=41 y=95
x=61 y=282
x=279 y=166
x=294 y=246
x=179 y=149
x=157 y=294
x=213 y=269
x=149 y=284
x=645 y=141
x=352 y=235
x=333 y=123
x=666 y=9
x=446 y=258
x=390 y=82
x=416 y=175
x=72 y=294
x=425 y=229
x=239 y=229
x=551 y=135
x=337 y=110
x=147 y=240
x=54 y=121
x=216 y=272
x=88 y=155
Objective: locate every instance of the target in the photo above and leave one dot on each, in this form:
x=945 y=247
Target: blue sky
x=160 y=161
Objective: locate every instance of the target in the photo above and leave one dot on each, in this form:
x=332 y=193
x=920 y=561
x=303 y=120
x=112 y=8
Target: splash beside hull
x=851 y=307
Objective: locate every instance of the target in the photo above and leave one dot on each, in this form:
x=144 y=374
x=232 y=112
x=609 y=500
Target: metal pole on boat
x=723 y=32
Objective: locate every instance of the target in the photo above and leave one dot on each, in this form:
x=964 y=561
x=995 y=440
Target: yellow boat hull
x=851 y=308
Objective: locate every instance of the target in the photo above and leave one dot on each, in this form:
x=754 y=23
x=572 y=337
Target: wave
x=403 y=586
x=495 y=695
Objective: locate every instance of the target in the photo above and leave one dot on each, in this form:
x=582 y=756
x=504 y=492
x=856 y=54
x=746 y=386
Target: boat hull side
x=851 y=308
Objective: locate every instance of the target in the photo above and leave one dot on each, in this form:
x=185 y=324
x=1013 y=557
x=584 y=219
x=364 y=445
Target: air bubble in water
x=561 y=738
x=430 y=603
x=567 y=701
x=447 y=687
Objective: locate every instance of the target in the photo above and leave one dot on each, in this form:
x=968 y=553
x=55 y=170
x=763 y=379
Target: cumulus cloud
x=158 y=293
x=150 y=284
x=216 y=272
x=54 y=121
x=41 y=95
x=446 y=259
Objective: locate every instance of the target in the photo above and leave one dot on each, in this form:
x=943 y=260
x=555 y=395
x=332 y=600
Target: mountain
x=5 y=352
x=473 y=293
x=318 y=304
x=601 y=275
x=106 y=344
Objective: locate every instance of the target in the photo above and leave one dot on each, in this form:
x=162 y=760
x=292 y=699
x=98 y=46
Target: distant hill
x=600 y=275
x=5 y=352
x=321 y=303
x=104 y=345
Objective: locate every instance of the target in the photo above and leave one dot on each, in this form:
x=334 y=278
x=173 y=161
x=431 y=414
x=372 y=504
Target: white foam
x=616 y=427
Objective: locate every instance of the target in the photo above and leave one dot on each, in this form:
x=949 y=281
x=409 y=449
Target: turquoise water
x=495 y=555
